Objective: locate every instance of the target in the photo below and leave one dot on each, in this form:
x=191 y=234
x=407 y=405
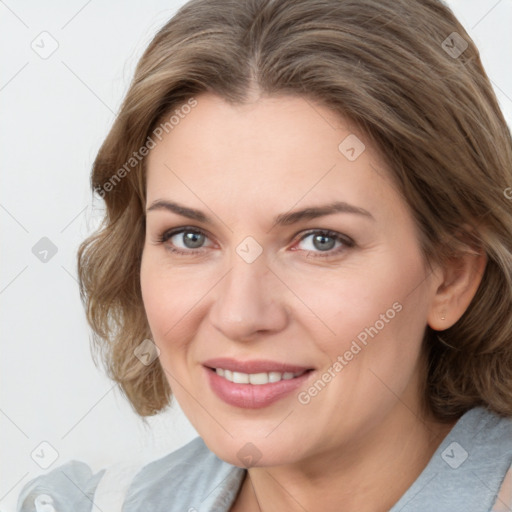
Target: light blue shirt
x=464 y=475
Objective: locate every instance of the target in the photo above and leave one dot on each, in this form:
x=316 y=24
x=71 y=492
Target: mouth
x=257 y=379
x=254 y=384
x=254 y=366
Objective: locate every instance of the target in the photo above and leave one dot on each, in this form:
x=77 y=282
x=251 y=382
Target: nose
x=249 y=301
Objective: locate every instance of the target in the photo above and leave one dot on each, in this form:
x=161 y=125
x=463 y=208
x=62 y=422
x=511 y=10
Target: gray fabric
x=464 y=474
x=473 y=485
x=70 y=487
x=189 y=479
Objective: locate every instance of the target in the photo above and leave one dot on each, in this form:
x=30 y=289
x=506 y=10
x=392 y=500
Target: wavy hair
x=410 y=77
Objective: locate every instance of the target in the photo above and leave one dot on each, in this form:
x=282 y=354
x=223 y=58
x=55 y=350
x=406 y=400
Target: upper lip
x=253 y=366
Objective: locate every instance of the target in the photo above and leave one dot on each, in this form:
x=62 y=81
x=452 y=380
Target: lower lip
x=253 y=396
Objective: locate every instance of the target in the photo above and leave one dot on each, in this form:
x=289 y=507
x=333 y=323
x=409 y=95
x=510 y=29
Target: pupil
x=323 y=245
x=193 y=240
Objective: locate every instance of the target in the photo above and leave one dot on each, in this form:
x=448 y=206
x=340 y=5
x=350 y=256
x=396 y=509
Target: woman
x=308 y=240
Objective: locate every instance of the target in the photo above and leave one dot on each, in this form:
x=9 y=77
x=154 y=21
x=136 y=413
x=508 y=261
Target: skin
x=363 y=440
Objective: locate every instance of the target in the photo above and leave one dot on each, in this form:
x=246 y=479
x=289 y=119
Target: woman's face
x=340 y=292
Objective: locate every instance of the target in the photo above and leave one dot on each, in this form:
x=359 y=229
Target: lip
x=253 y=366
x=251 y=396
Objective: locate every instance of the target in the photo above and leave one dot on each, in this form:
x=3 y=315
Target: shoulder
x=469 y=469
x=478 y=457
x=70 y=486
x=503 y=502
x=499 y=446
x=190 y=477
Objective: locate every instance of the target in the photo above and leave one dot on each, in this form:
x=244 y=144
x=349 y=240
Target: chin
x=243 y=452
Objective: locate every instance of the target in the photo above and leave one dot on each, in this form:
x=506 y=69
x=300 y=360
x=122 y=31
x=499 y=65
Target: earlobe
x=462 y=276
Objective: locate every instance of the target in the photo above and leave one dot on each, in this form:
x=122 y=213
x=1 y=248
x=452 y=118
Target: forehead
x=274 y=152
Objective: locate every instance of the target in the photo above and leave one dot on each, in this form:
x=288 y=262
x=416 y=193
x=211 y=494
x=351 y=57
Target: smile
x=254 y=390
x=256 y=378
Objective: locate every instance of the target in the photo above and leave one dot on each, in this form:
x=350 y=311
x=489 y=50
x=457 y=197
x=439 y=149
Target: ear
x=456 y=286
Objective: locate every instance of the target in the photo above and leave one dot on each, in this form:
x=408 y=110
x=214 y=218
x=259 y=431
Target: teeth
x=240 y=378
x=256 y=378
x=274 y=376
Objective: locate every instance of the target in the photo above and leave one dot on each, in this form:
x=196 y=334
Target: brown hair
x=407 y=73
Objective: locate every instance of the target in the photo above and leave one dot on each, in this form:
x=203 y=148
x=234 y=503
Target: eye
x=325 y=243
x=185 y=240
x=317 y=243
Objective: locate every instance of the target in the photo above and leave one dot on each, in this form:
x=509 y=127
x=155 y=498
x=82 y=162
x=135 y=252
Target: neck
x=368 y=476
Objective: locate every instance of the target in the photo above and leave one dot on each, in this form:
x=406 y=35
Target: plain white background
x=55 y=113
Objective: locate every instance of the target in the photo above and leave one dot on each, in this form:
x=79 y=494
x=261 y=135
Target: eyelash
x=347 y=241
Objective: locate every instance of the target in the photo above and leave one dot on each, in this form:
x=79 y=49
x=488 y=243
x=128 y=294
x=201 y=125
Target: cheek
x=175 y=301
x=376 y=317
x=345 y=301
x=167 y=299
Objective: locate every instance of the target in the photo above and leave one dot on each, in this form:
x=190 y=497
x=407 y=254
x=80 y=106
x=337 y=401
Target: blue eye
x=322 y=243
x=327 y=242
x=191 y=239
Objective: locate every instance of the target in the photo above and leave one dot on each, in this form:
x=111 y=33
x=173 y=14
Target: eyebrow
x=283 y=219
